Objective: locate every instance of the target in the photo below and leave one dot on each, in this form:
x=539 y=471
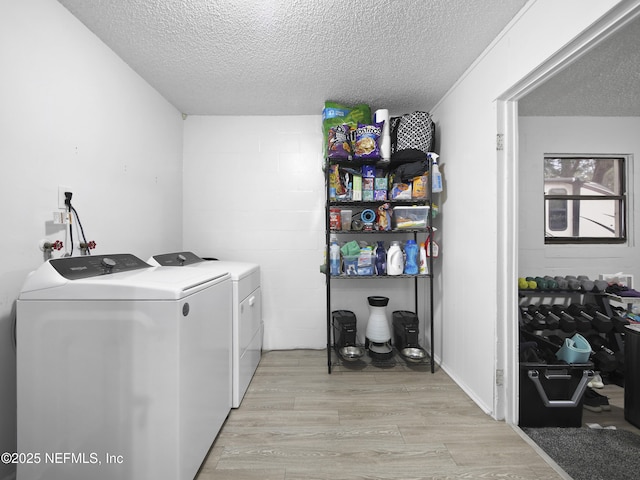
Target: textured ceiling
x=605 y=81
x=286 y=57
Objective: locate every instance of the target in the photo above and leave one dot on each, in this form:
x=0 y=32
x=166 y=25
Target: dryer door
x=249 y=342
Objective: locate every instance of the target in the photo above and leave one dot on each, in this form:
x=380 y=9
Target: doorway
x=509 y=242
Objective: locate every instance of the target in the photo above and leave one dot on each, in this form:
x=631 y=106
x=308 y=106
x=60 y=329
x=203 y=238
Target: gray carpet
x=591 y=454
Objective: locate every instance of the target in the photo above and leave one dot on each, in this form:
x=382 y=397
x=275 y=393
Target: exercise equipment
x=572 y=283
x=531 y=319
x=601 y=322
x=567 y=322
x=551 y=319
x=551 y=282
x=540 y=282
x=586 y=284
x=562 y=282
x=583 y=319
x=603 y=358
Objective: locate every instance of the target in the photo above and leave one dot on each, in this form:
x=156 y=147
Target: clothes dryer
x=247 y=313
x=122 y=368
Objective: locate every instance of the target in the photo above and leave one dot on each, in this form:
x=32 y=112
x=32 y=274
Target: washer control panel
x=74 y=268
x=177 y=259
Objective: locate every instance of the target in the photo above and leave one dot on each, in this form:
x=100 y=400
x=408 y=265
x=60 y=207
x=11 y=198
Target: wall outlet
x=61 y=198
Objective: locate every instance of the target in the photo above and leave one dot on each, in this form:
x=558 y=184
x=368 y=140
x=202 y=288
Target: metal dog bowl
x=351 y=352
x=413 y=354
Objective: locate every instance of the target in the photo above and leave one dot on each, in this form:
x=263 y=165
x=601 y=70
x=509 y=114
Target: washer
x=123 y=369
x=247 y=327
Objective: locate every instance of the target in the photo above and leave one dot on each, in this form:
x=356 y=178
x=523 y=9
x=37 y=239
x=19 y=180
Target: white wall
x=589 y=135
x=254 y=191
x=74 y=114
x=471 y=227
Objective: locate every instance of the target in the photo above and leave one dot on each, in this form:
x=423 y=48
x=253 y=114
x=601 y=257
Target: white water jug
x=395 y=259
x=378 y=330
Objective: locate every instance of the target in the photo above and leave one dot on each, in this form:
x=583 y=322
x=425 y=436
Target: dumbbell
x=552 y=320
x=600 y=286
x=572 y=283
x=525 y=317
x=567 y=322
x=562 y=282
x=527 y=283
x=532 y=318
x=546 y=283
x=541 y=283
x=583 y=319
x=543 y=317
x=603 y=357
x=601 y=322
x=586 y=285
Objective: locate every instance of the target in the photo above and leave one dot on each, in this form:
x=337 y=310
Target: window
x=584 y=199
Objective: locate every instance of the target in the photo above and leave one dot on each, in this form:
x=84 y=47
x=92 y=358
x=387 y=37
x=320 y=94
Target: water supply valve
x=49 y=247
x=86 y=247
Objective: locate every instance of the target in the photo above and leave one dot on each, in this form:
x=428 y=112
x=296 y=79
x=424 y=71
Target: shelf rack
x=429 y=360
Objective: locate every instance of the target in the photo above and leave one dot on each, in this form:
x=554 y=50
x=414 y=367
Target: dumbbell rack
x=552 y=297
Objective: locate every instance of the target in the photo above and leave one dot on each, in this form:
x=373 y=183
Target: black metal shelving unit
x=418 y=295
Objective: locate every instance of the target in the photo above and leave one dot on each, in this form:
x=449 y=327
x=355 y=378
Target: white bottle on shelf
x=424 y=266
x=436 y=176
x=395 y=259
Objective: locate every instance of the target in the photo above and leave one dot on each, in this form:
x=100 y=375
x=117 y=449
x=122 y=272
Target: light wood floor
x=298 y=422
x=613 y=417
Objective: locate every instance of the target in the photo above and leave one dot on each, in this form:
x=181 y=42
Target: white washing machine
x=122 y=369
x=247 y=313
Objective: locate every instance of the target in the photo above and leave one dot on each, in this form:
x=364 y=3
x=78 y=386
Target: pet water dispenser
x=378 y=334
x=405 y=335
x=344 y=335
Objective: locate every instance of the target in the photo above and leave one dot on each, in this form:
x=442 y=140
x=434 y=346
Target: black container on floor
x=552 y=395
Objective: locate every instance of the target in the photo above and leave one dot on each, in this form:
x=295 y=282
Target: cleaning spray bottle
x=436 y=176
x=432 y=248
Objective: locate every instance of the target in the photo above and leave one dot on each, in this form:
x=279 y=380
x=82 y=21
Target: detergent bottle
x=411 y=262
x=334 y=257
x=381 y=259
x=424 y=266
x=395 y=259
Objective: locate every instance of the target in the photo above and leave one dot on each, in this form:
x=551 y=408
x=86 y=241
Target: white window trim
x=615 y=250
